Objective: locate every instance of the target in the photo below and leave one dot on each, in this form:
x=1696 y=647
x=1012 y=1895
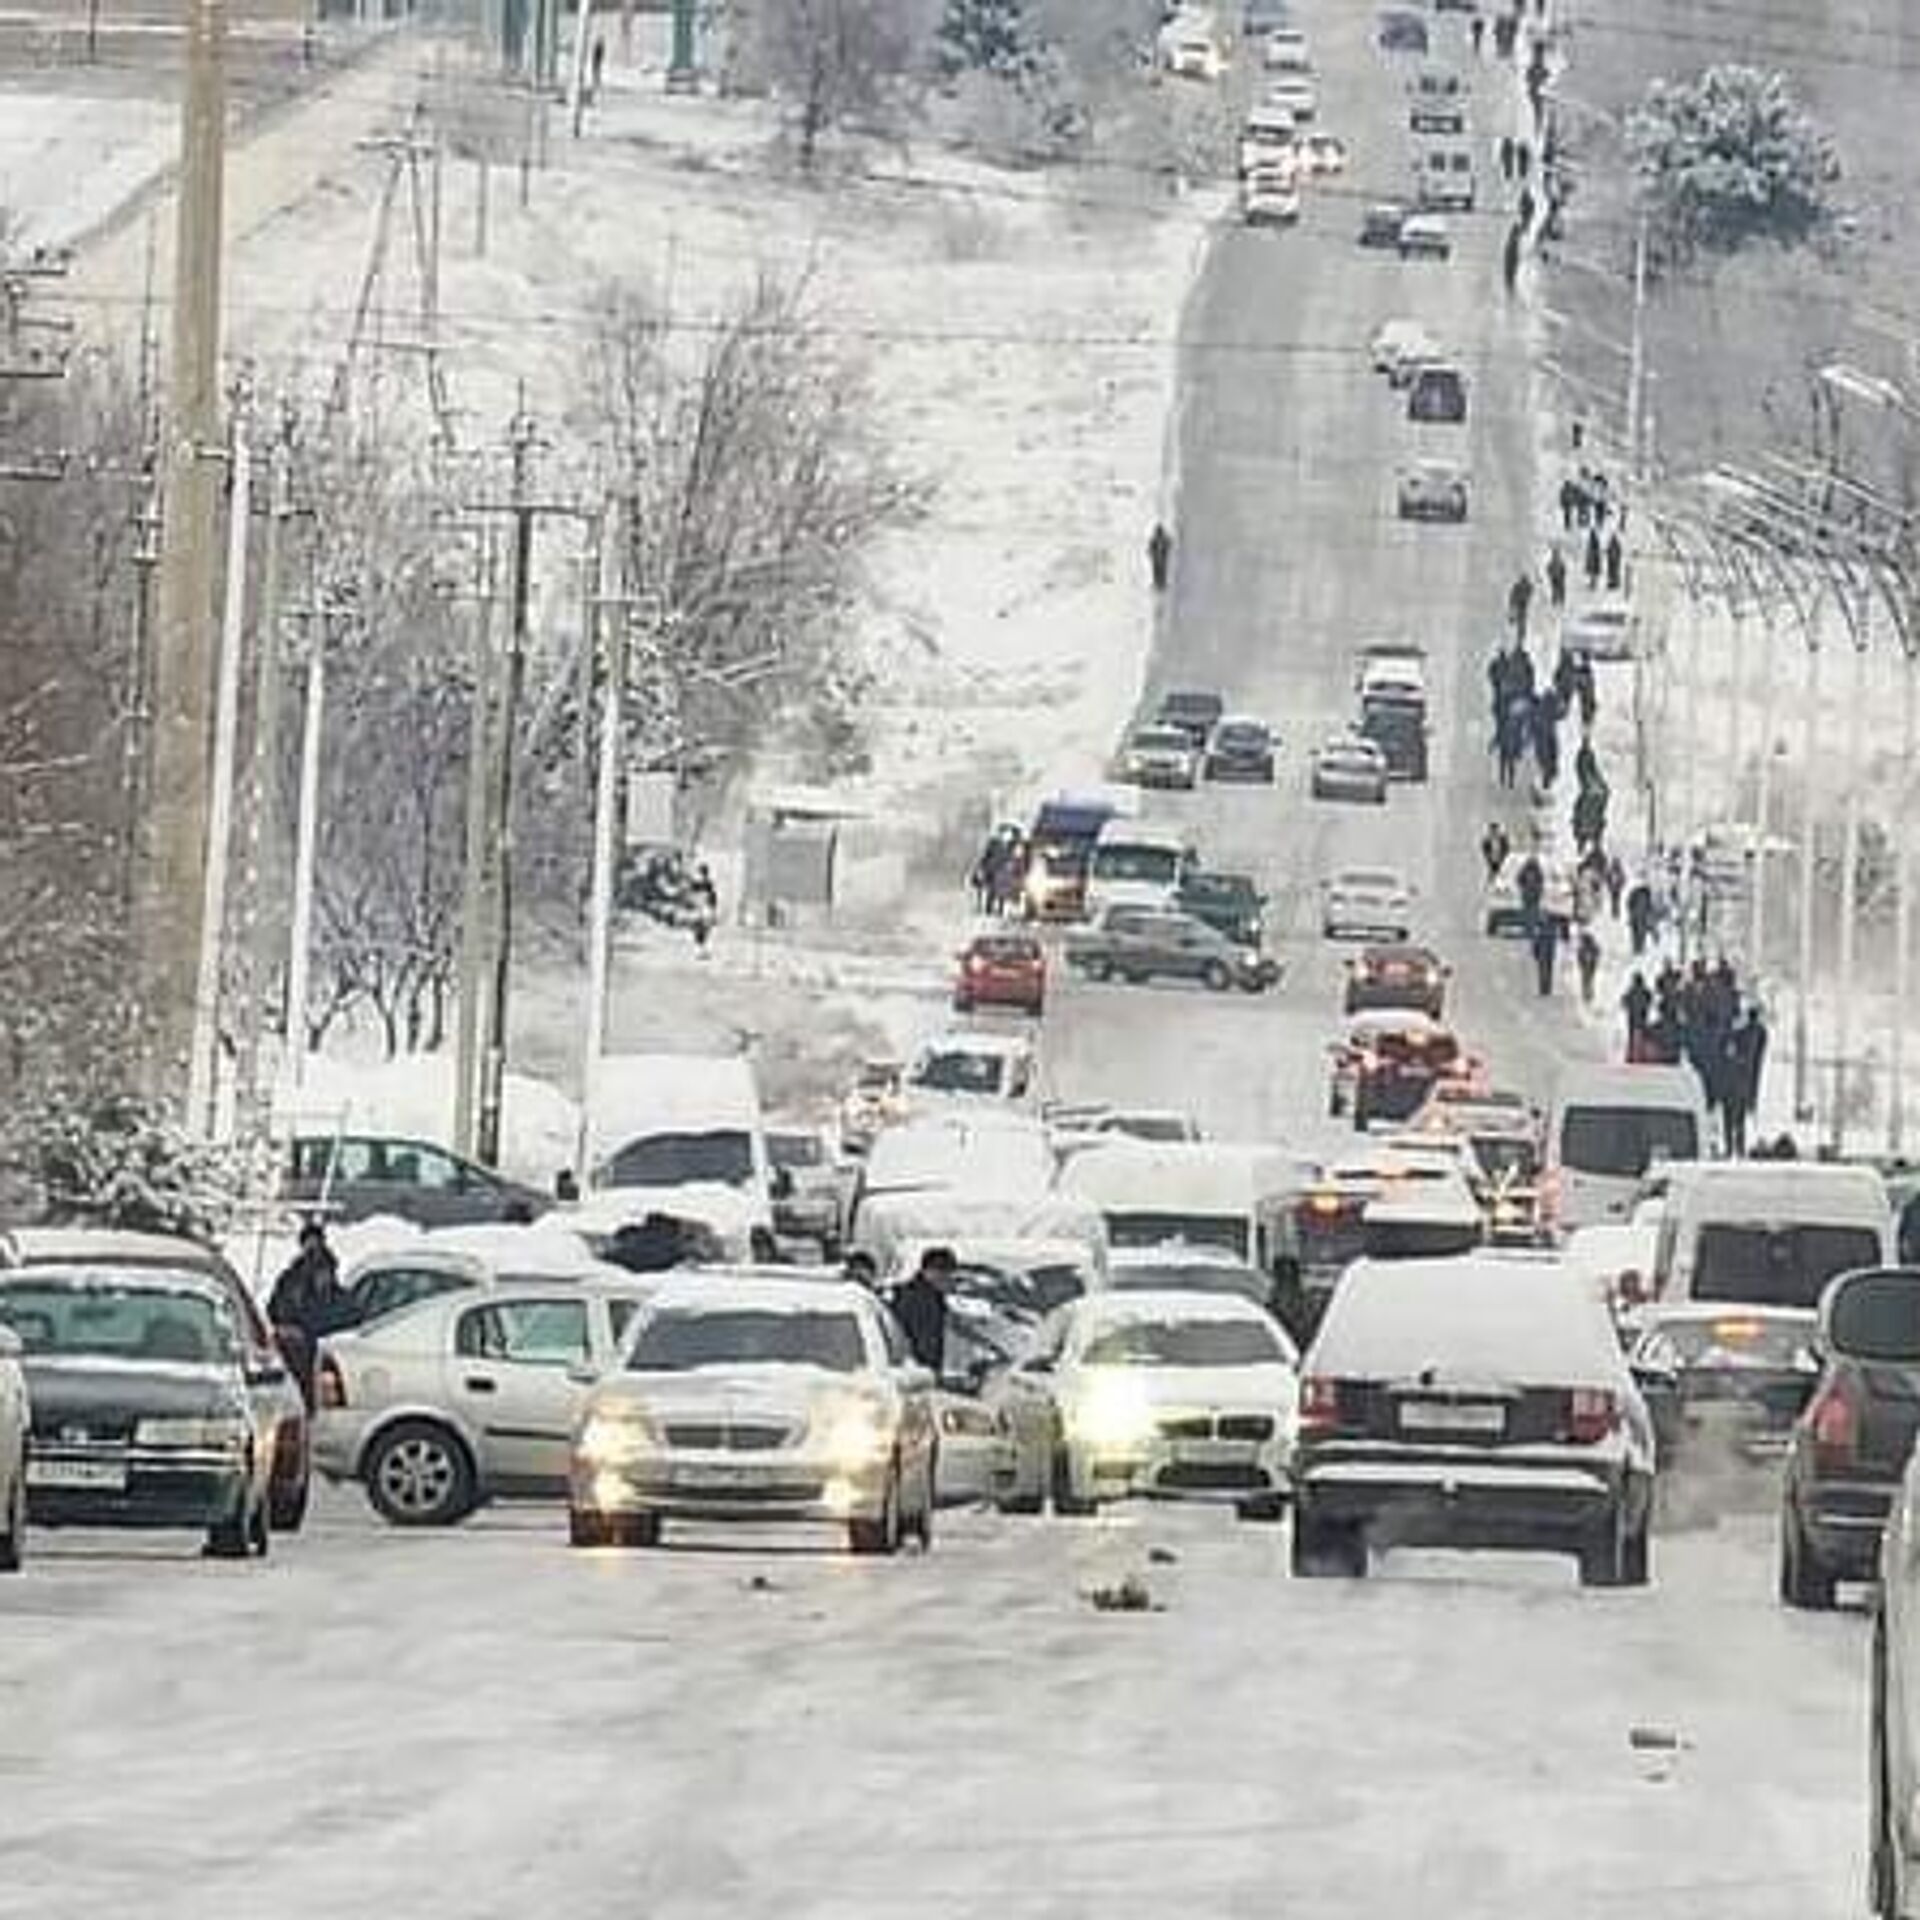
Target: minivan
x=1443 y=175
x=1610 y=1125
x=1136 y=865
x=1770 y=1233
x=1437 y=101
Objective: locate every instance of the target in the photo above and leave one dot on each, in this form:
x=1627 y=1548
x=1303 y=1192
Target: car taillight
x=976 y=963
x=1319 y=1403
x=1592 y=1414
x=330 y=1387
x=1834 y=1422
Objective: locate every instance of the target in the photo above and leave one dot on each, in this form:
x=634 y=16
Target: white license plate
x=698 y=1477
x=111 y=1474
x=1439 y=1416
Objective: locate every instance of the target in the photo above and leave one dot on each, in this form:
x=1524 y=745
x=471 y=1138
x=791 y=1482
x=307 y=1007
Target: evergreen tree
x=987 y=36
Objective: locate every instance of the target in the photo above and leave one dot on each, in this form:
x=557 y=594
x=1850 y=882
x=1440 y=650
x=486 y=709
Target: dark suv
x=1229 y=903
x=1850 y=1445
x=1397 y=725
x=355 y=1176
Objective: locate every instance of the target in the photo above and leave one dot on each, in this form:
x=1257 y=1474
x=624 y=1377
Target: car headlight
x=223 y=1433
x=610 y=1438
x=1111 y=1414
x=856 y=1432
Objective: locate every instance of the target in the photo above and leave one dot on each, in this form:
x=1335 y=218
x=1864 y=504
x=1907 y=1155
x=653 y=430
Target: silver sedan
x=1349 y=768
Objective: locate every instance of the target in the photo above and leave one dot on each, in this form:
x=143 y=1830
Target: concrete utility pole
x=201 y=1089
x=476 y=918
x=519 y=600
x=175 y=827
x=613 y=667
x=306 y=849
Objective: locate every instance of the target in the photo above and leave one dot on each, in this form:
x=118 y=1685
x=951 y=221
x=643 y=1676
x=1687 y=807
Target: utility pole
x=306 y=850
x=1903 y=902
x=577 y=85
x=175 y=827
x=476 y=916
x=613 y=668
x=1849 y=886
x=1809 y=826
x=1636 y=474
x=519 y=599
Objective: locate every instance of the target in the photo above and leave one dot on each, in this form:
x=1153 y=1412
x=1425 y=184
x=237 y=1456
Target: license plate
x=1439 y=1416
x=77 y=1473
x=697 y=1477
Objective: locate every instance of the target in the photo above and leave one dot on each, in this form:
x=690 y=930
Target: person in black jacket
x=920 y=1305
x=307 y=1303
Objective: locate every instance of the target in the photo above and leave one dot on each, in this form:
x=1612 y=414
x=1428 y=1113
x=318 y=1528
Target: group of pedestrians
x=1527 y=716
x=1701 y=1016
x=999 y=872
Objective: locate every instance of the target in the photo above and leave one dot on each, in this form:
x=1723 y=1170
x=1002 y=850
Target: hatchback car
x=1286 y=51
x=141 y=1416
x=1477 y=1402
x=1432 y=490
x=758 y=1399
x=355 y=1176
x=1196 y=711
x=1002 y=970
x=1401 y=976
x=1348 y=767
x=809 y=1187
x=15 y=1421
x=1297 y=93
x=1893 y=1714
x=1139 y=944
x=1366 y=903
x=1241 y=749
x=1156 y=1395
x=1437 y=101
x=1851 y=1443
x=1437 y=395
x=466 y=1398
x=1425 y=236
x=1322 y=154
x=273 y=1392
x=1724 y=1386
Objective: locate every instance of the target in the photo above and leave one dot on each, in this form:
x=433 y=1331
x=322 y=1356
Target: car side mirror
x=264 y=1370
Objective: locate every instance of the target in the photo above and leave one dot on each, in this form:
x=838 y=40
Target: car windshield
x=1190 y=1276
x=1183 y=1343
x=1156 y=1227
x=1146 y=1126
x=1623 y=1142
x=685 y=1339
x=1129 y=860
x=1221 y=890
x=724 y=1156
x=1507 y=1156
x=1785 y=1266
x=796 y=1149
x=1007 y=950
x=108 y=1319
x=1727 y=1343
x=1161 y=740
x=960 y=1070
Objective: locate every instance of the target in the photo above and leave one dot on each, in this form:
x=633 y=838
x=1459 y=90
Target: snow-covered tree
x=988 y=36
x=1730 y=157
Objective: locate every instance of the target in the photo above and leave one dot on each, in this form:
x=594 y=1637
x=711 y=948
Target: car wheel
x=633 y=1529
x=419 y=1475
x=1217 y=975
x=287 y=1506
x=1606 y=1556
x=1636 y=1559
x=1804 y=1582
x=588 y=1529
x=1327 y=1549
x=1065 y=1500
x=13 y=1536
x=237 y=1537
x=881 y=1536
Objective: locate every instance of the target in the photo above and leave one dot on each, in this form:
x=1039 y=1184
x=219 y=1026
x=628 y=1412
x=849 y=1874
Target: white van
x=1231 y=1199
x=971 y=1066
x=1770 y=1233
x=962 y=1150
x=1610 y=1125
x=1137 y=865
x=686 y=1132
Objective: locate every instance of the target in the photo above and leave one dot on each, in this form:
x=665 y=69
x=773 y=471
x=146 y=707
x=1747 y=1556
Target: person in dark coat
x=1546 y=738
x=706 y=906
x=1557 y=566
x=1637 y=1004
x=1747 y=1050
x=1616 y=883
x=1159 y=556
x=1477 y=30
x=1506 y=156
x=1523 y=208
x=1530 y=885
x=1569 y=510
x=1616 y=561
x=652 y=1245
x=1546 y=945
x=1510 y=738
x=1510 y=258
x=1494 y=848
x=1519 y=604
x=1585 y=692
x=1586 y=954
x=307 y=1303
x=1586 y=768
x=920 y=1305
x=1640 y=916
x=1594 y=559
x=1563 y=678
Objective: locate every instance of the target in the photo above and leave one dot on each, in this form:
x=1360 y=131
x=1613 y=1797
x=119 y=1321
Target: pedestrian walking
x=1510 y=259
x=1522 y=159
x=1593 y=558
x=1616 y=884
x=1586 y=955
x=1586 y=692
x=1506 y=156
x=1530 y=886
x=706 y=906
x=1640 y=915
x=1637 y=1004
x=1563 y=677
x=1510 y=738
x=1159 y=555
x=920 y=1306
x=1519 y=604
x=1557 y=569
x=1477 y=28
x=598 y=65
x=1616 y=561
x=1494 y=848
x=1546 y=946
x=306 y=1303
x=1524 y=209
x=1569 y=505
x=1546 y=739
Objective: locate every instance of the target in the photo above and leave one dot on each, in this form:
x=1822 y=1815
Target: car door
x=887 y=1347
x=1024 y=1396
x=518 y=1375
x=436 y=1188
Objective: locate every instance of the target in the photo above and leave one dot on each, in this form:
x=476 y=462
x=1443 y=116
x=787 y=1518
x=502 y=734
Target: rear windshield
x=1210 y=1230
x=1510 y=1157
x=678 y=1340
x=1778 y=1266
x=1623 y=1142
x=1007 y=949
x=1184 y=1343
x=1419 y=1239
x=1120 y=861
x=104 y=1321
x=960 y=1072
x=1727 y=1344
x=1192 y=1276
x=677 y=1159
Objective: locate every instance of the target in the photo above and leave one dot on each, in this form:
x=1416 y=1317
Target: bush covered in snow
x=1730 y=157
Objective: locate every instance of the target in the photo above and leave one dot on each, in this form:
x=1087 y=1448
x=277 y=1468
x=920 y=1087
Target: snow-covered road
x=489 y=1724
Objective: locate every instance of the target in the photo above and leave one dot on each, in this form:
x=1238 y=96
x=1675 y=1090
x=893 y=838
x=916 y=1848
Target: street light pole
x=1809 y=822
x=1903 y=908
x=1849 y=898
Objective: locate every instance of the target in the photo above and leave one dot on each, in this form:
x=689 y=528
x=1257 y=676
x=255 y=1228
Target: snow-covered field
x=68 y=161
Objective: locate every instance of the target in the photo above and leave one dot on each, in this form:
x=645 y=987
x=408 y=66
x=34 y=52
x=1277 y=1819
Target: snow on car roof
x=1170 y=1254
x=728 y=1290
x=546 y=1249
x=1008 y=1154
x=1528 y=1319
x=1166 y=1303
x=1002 y=1046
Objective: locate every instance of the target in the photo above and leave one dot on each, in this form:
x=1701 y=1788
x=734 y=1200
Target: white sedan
x=1270 y=197
x=1156 y=1395
x=1160 y=757
x=1348 y=767
x=755 y=1397
x=1432 y=490
x=1372 y=903
x=466 y=1397
x=1322 y=153
x=1401 y=347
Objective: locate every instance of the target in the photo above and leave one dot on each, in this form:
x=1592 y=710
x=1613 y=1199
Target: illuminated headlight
x=223 y=1433
x=1111 y=1416
x=608 y=1439
x=854 y=1433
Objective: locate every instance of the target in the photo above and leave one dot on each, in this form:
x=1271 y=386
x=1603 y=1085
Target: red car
x=1002 y=970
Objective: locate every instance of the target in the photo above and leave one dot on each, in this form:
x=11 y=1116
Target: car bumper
x=1366 y=997
x=1162 y=779
x=181 y=1488
x=1023 y=996
x=1260 y=771
x=1363 y=923
x=1411 y=1500
x=1205 y=1472
x=786 y=1488
x=1843 y=1522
